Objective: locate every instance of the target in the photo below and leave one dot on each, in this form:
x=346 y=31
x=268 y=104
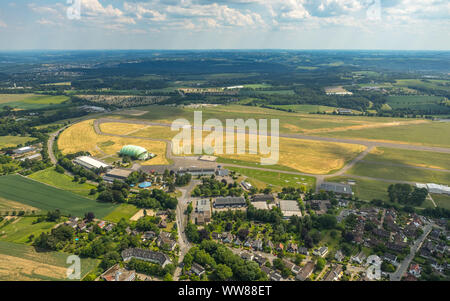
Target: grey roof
x=336 y=187
x=203 y=205
x=230 y=201
x=149 y=255
x=289 y=206
x=263 y=198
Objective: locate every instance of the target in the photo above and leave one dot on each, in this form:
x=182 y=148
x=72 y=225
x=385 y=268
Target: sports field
x=20 y=262
x=23 y=190
x=82 y=137
x=51 y=177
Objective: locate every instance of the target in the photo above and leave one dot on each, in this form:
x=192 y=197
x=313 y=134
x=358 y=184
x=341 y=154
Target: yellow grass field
x=120 y=128
x=82 y=137
x=303 y=155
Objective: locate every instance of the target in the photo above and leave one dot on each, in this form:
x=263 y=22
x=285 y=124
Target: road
x=182 y=221
x=403 y=267
x=50 y=142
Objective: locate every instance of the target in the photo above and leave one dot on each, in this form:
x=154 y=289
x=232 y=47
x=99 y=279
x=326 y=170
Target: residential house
x=165 y=241
x=334 y=274
x=227 y=238
x=292 y=248
x=339 y=256
x=146 y=255
x=321 y=251
x=414 y=269
x=305 y=271
x=197 y=269
x=246 y=255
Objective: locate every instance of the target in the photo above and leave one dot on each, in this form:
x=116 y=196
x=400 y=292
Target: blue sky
x=225 y=24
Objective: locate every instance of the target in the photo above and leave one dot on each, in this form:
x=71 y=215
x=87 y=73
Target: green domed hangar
x=135 y=152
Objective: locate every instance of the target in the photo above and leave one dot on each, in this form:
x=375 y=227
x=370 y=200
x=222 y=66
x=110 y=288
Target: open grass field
x=305 y=108
x=430 y=133
x=400 y=174
x=20 y=229
x=308 y=156
x=31 y=101
x=125 y=211
x=289 y=122
x=277 y=180
x=13 y=141
x=82 y=137
x=20 y=262
x=409 y=157
x=51 y=177
x=442 y=200
x=45 y=197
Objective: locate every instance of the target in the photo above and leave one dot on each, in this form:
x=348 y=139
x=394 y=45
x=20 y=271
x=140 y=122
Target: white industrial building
x=90 y=163
x=435 y=188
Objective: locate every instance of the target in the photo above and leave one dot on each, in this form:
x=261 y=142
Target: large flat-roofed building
x=336 y=188
x=233 y=202
x=263 y=198
x=146 y=255
x=202 y=212
x=24 y=150
x=117 y=174
x=90 y=163
x=198 y=171
x=289 y=208
x=435 y=188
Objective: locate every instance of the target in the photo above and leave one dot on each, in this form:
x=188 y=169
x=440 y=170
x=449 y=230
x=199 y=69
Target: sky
x=225 y=24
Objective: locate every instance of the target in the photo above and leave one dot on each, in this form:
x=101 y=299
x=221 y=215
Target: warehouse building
x=289 y=208
x=24 y=150
x=90 y=163
x=336 y=188
x=136 y=152
x=435 y=188
x=230 y=202
x=202 y=212
x=197 y=171
x=117 y=174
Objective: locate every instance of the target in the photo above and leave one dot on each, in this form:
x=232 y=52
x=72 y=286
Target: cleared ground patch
x=82 y=137
x=20 y=189
x=20 y=262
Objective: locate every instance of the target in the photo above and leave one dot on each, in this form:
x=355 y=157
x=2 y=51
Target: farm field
x=427 y=84
x=7 y=206
x=51 y=177
x=125 y=211
x=278 y=180
x=22 y=262
x=30 y=101
x=400 y=174
x=422 y=102
x=44 y=197
x=20 y=229
x=430 y=133
x=13 y=141
x=82 y=137
x=120 y=128
x=409 y=157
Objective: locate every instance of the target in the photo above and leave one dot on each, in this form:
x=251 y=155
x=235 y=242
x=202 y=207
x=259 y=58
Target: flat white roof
x=91 y=161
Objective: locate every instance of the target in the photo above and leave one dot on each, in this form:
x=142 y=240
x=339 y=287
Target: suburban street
x=403 y=267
